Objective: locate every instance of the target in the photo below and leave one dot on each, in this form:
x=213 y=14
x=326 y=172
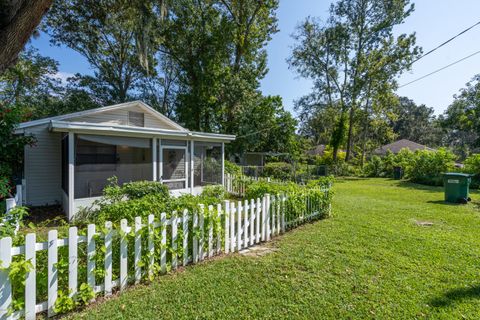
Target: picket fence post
x=267 y=213
x=72 y=260
x=252 y=221
x=5 y=284
x=195 y=237
x=227 y=226
x=174 y=240
x=233 y=212
x=163 y=245
x=185 y=237
x=31 y=277
x=210 y=231
x=138 y=249
x=151 y=248
x=52 y=271
x=108 y=258
x=123 y=254
x=239 y=225
x=246 y=209
x=218 y=226
x=91 y=255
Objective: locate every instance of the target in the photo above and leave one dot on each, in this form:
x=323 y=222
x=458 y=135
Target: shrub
x=140 y=189
x=428 y=166
x=375 y=167
x=232 y=168
x=327 y=157
x=296 y=202
x=218 y=192
x=472 y=165
x=278 y=170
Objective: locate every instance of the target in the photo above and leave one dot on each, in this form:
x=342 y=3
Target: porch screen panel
x=98 y=158
x=174 y=167
x=207 y=164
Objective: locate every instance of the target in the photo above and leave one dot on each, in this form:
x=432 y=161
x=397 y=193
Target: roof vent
x=136 y=119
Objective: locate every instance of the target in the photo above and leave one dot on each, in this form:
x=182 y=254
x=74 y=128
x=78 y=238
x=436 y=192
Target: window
x=98 y=158
x=136 y=119
x=207 y=163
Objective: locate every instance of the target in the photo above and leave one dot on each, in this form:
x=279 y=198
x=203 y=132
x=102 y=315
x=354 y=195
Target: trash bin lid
x=457 y=174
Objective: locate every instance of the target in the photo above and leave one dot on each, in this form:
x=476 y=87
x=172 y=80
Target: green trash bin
x=457 y=187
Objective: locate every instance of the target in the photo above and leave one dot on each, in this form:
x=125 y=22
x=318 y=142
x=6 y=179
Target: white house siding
x=43 y=167
x=120 y=117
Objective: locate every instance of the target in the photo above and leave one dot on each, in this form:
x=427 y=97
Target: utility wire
x=255 y=132
x=438 y=70
x=446 y=42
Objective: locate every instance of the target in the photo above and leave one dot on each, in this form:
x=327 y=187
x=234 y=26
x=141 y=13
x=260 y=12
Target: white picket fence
x=242 y=224
x=237 y=185
x=12 y=203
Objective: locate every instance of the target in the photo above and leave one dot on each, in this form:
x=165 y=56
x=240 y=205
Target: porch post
x=223 y=163
x=71 y=175
x=192 y=158
x=154 y=159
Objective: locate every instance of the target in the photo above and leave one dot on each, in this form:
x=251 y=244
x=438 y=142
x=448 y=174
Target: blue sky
x=434 y=21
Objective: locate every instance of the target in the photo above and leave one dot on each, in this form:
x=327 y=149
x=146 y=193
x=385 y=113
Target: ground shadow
x=443 y=202
x=416 y=186
x=456 y=295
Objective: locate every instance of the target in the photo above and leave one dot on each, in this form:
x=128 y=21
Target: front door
x=174 y=167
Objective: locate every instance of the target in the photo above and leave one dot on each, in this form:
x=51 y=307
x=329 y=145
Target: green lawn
x=371 y=260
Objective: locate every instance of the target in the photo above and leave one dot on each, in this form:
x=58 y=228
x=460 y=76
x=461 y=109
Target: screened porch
x=89 y=161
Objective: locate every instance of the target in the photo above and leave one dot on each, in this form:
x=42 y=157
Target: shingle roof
x=396 y=146
x=317 y=151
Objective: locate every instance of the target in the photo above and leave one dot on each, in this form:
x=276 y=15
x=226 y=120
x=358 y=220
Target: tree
x=219 y=49
x=18 y=20
x=266 y=128
x=351 y=55
x=416 y=122
x=104 y=32
x=461 y=120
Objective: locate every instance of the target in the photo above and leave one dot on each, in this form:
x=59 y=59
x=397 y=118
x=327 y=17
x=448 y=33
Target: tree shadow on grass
x=456 y=295
x=416 y=186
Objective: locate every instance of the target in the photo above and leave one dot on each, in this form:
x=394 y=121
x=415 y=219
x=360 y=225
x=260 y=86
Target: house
x=317 y=150
x=396 y=146
x=75 y=155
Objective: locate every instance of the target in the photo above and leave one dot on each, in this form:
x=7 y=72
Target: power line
x=255 y=132
x=438 y=70
x=446 y=42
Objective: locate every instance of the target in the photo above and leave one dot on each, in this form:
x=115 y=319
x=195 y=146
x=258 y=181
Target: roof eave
x=65 y=126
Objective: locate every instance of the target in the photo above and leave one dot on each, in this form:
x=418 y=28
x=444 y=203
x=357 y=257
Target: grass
x=370 y=261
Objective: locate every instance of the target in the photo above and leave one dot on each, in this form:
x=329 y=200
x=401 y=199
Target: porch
x=183 y=164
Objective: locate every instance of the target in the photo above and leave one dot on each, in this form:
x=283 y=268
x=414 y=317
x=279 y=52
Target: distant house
x=396 y=146
x=317 y=150
x=77 y=153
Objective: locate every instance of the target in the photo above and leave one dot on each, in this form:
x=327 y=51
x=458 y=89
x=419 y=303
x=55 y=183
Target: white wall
x=43 y=167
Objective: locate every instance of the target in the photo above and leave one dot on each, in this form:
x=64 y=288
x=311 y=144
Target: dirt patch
x=423 y=223
x=258 y=251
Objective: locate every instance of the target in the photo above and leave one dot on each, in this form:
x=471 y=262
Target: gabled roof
x=137 y=103
x=396 y=146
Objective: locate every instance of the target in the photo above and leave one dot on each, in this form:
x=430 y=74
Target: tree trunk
x=350 y=134
x=23 y=16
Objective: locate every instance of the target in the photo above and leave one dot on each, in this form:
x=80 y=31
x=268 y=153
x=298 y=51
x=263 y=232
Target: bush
x=296 y=202
x=218 y=192
x=232 y=168
x=278 y=170
x=375 y=167
x=140 y=189
x=472 y=166
x=428 y=166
